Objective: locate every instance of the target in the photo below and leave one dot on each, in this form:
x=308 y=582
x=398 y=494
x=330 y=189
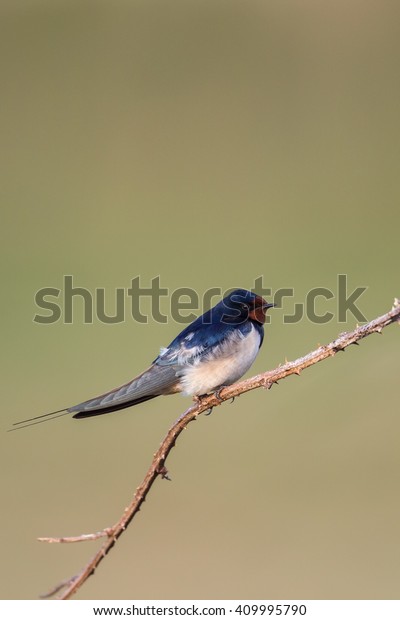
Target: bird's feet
x=198 y=401
x=216 y=393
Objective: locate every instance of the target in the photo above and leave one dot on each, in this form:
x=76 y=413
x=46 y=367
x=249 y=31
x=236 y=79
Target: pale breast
x=227 y=363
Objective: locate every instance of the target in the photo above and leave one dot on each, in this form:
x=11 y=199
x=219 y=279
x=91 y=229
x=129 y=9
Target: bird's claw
x=217 y=394
x=198 y=401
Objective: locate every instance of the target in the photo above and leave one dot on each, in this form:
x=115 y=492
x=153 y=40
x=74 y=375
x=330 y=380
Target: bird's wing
x=200 y=340
x=154 y=381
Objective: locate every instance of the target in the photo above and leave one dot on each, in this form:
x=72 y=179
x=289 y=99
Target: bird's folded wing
x=154 y=381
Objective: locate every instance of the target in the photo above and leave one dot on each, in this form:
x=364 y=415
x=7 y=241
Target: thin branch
x=157 y=467
x=108 y=531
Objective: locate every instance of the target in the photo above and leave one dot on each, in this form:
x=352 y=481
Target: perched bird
x=212 y=352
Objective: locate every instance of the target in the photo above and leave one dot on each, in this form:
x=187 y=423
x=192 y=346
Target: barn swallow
x=212 y=352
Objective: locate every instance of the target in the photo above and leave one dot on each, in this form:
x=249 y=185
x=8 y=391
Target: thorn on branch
x=163 y=472
x=58 y=587
x=339 y=347
x=267 y=384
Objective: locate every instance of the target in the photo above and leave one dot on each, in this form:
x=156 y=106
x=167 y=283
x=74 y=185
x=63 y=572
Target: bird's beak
x=266 y=305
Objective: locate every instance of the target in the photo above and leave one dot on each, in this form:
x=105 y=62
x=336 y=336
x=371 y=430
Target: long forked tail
x=153 y=382
x=38 y=419
x=53 y=415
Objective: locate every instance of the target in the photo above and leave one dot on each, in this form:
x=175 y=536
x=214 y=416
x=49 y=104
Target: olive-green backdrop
x=207 y=143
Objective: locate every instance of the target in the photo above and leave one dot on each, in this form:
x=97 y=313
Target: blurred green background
x=208 y=143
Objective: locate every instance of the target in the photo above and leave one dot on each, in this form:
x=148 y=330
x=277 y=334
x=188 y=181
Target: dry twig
x=157 y=467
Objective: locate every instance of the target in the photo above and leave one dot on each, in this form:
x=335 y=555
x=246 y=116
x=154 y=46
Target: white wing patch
x=181 y=356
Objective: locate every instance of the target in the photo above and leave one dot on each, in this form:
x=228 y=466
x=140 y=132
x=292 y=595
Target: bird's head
x=241 y=305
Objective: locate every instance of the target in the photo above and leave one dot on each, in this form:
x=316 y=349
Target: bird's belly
x=231 y=361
